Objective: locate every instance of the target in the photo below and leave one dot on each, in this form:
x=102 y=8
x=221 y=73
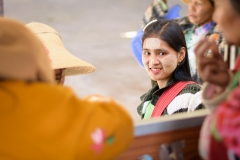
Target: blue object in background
x=173 y=12
x=145 y=157
x=136 y=43
x=137 y=46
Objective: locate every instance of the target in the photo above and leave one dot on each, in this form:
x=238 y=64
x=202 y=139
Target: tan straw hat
x=59 y=55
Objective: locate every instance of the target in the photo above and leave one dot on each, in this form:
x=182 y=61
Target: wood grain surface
x=150 y=144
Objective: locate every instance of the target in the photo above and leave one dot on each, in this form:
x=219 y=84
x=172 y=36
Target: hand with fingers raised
x=212 y=68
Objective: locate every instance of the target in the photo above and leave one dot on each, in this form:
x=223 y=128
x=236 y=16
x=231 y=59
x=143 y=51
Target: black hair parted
x=172 y=34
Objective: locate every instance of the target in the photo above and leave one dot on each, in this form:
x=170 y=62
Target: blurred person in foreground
x=42 y=120
x=220 y=133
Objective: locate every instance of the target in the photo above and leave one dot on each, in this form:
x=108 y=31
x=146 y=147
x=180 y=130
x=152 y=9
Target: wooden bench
x=151 y=134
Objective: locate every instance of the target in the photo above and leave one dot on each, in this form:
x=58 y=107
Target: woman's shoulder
x=188 y=100
x=191 y=88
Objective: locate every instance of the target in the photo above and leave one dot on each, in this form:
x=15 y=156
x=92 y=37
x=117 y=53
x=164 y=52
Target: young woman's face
x=159 y=59
x=200 y=11
x=228 y=21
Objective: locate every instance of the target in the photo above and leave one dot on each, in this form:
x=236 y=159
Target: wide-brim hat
x=60 y=57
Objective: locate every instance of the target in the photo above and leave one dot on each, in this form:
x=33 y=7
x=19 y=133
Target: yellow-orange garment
x=48 y=122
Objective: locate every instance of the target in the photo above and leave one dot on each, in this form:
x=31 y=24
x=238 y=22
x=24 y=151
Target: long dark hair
x=236 y=5
x=172 y=34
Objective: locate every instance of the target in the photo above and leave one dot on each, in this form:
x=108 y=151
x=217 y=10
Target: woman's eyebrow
x=146 y=49
x=162 y=50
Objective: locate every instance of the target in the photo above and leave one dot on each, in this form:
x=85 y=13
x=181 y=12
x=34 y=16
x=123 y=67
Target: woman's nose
x=154 y=61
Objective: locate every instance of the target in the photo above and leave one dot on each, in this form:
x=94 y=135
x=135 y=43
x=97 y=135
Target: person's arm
x=108 y=129
x=213 y=71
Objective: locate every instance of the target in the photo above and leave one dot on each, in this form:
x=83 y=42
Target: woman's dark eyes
x=161 y=53
x=147 y=53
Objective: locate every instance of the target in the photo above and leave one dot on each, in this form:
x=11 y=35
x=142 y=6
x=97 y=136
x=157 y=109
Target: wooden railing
x=151 y=136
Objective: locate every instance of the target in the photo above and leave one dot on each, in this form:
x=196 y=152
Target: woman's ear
x=181 y=54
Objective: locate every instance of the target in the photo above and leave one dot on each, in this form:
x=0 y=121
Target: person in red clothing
x=220 y=136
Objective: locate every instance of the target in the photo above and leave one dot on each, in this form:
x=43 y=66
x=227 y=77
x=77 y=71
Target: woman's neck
x=162 y=83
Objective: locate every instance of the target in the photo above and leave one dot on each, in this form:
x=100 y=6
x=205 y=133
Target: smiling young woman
x=165 y=59
x=197 y=24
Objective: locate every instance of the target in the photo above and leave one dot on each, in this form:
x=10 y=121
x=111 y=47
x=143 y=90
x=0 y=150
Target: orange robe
x=41 y=121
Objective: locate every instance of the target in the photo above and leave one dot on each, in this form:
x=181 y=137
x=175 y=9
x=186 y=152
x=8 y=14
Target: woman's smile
x=155 y=70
